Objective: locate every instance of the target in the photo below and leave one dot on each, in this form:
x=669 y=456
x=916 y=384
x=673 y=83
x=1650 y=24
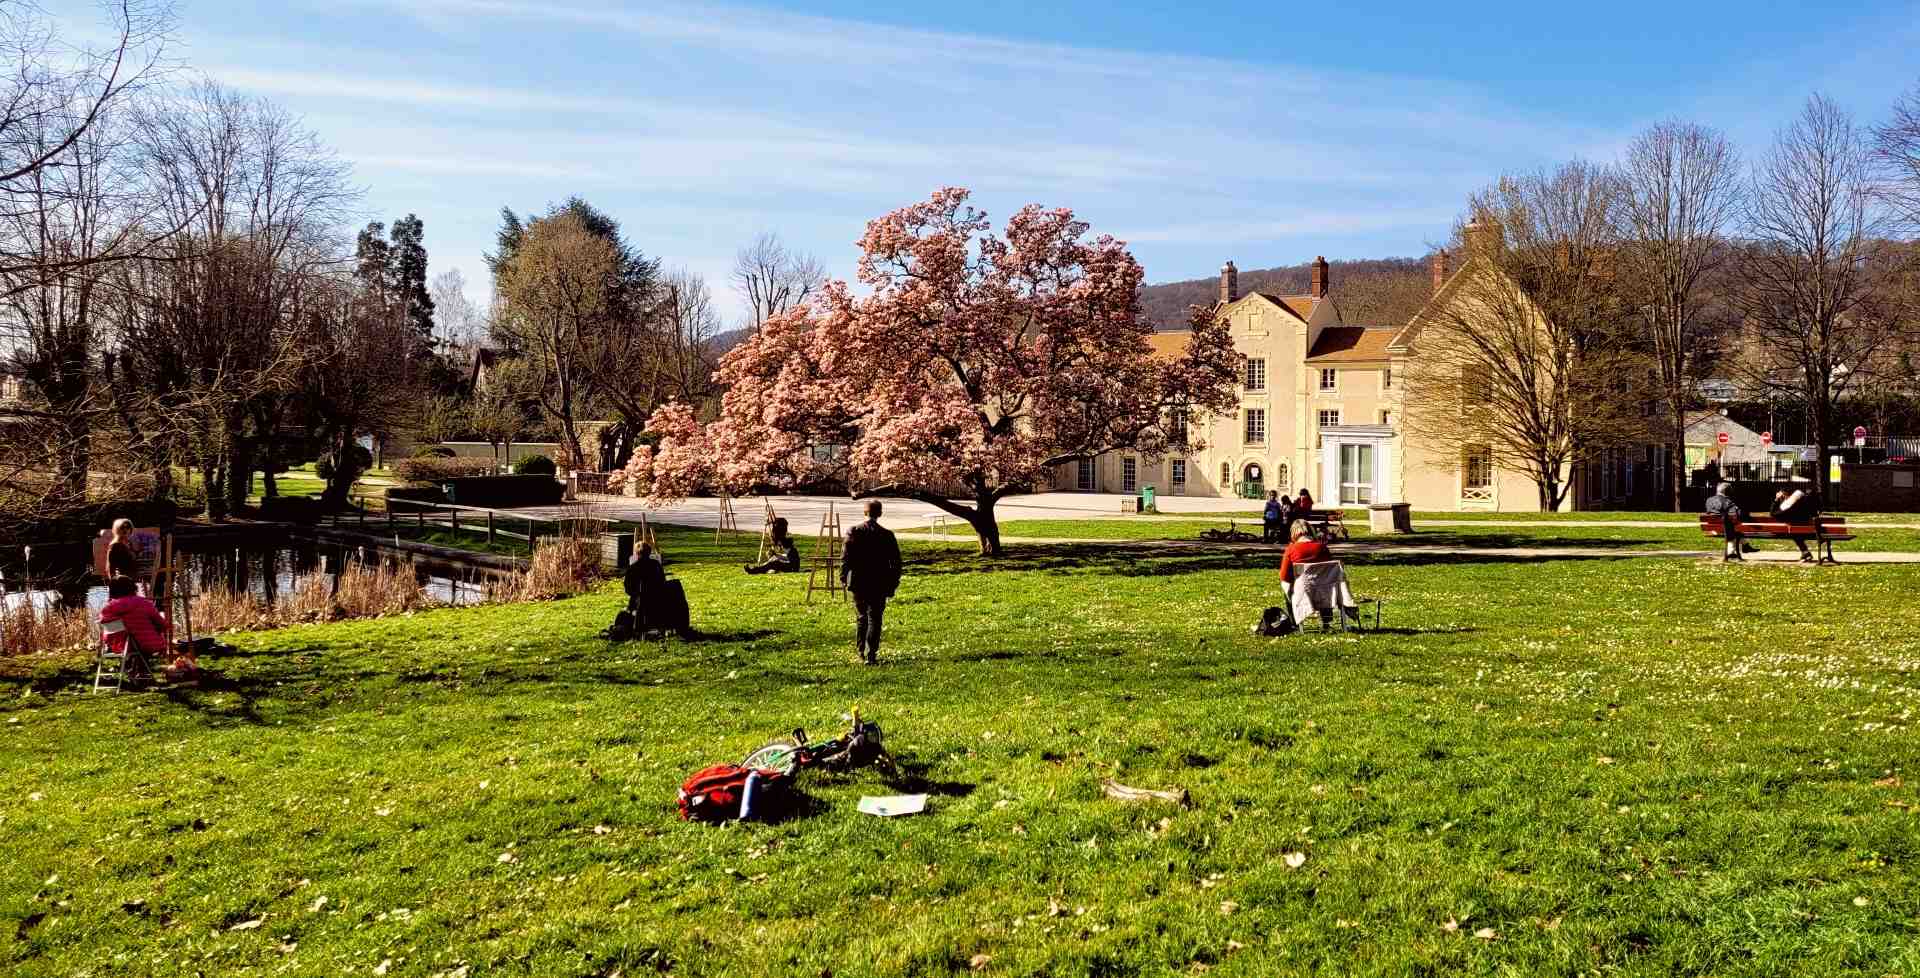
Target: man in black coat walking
x=870 y=571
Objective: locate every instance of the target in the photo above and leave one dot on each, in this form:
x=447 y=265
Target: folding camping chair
x=110 y=667
x=1319 y=590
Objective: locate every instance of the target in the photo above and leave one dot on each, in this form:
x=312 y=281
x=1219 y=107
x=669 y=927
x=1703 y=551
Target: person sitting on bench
x=1303 y=506
x=786 y=554
x=1722 y=505
x=145 y=634
x=1798 y=507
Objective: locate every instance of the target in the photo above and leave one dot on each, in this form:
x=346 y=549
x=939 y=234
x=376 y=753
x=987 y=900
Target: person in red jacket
x=146 y=627
x=1303 y=550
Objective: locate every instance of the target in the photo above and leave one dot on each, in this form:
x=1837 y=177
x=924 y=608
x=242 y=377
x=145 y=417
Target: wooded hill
x=1370 y=291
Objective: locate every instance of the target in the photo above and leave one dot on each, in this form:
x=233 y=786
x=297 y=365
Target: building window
x=1386 y=379
x=1177 y=426
x=1085 y=481
x=1329 y=379
x=1256 y=427
x=1386 y=417
x=1476 y=474
x=1476 y=387
x=1329 y=417
x=1179 y=475
x=1356 y=475
x=1256 y=374
x=1226 y=475
x=1129 y=474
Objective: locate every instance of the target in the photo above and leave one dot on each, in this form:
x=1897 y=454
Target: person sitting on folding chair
x=1303 y=550
x=143 y=632
x=1320 y=587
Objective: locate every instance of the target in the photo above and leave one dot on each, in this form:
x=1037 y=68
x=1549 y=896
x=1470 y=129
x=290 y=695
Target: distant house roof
x=1351 y=344
x=1300 y=305
x=1170 y=345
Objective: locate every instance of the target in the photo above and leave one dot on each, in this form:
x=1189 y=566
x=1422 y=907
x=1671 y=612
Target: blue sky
x=1262 y=132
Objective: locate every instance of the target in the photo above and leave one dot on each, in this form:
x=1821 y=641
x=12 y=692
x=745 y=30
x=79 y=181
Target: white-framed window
x=1226 y=475
x=1177 y=426
x=1329 y=417
x=1476 y=387
x=1129 y=474
x=1356 y=475
x=1476 y=474
x=1255 y=430
x=1386 y=379
x=1256 y=374
x=1177 y=474
x=1329 y=379
x=1085 y=475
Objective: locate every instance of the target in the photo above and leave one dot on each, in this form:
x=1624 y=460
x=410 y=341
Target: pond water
x=265 y=571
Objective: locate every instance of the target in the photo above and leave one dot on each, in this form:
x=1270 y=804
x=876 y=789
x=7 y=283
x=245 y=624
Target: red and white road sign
x=1860 y=436
x=1766 y=438
x=1723 y=438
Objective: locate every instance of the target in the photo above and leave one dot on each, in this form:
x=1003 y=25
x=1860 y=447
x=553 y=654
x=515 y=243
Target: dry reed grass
x=26 y=629
x=561 y=566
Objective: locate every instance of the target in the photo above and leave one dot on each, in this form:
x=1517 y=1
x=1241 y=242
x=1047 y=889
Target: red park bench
x=1823 y=531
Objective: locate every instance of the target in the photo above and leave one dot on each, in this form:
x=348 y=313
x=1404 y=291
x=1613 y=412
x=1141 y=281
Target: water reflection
x=270 y=573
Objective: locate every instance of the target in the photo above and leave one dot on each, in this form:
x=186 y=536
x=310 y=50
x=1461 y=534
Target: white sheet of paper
x=887 y=806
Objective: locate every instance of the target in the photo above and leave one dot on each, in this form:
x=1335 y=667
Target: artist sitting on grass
x=146 y=627
x=786 y=555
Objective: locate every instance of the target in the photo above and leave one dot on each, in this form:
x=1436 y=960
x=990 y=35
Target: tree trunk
x=1677 y=458
x=986 y=526
x=212 y=488
x=340 y=480
x=239 y=471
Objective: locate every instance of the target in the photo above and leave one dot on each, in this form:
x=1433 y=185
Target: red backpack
x=725 y=792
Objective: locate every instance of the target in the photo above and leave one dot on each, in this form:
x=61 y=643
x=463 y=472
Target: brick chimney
x=1229 y=283
x=1440 y=268
x=1483 y=237
x=1319 y=286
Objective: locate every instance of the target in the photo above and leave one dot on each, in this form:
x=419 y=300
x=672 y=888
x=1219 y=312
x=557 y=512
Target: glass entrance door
x=1356 y=475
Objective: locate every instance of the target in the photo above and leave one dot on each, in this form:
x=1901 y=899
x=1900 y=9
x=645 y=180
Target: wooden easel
x=766 y=531
x=727 y=521
x=826 y=557
x=645 y=536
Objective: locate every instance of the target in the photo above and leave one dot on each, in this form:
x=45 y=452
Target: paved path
x=1373 y=547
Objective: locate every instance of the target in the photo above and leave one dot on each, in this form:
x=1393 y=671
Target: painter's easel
x=727 y=521
x=767 y=547
x=826 y=557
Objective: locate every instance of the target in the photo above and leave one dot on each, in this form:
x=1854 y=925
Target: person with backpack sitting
x=786 y=554
x=146 y=628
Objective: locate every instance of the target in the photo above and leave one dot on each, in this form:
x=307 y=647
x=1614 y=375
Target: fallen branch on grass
x=1122 y=792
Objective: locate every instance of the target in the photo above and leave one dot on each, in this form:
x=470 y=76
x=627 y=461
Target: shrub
x=535 y=465
x=432 y=451
x=415 y=494
x=323 y=467
x=438 y=469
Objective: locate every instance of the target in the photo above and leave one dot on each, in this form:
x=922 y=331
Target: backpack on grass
x=1275 y=622
x=725 y=792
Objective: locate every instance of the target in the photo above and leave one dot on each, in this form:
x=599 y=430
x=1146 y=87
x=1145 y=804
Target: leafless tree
x=772 y=278
x=1810 y=277
x=53 y=94
x=1681 y=192
x=1897 y=147
x=558 y=293
x=460 y=323
x=214 y=329
x=1525 y=361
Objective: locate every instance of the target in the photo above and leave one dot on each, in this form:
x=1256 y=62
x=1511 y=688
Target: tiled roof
x=1351 y=344
x=1170 y=345
x=1299 y=305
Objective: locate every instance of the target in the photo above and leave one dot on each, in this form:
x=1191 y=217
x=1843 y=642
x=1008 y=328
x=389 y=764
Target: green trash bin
x=1146 y=499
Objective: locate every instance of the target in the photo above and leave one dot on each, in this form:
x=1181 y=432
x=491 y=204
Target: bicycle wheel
x=778 y=755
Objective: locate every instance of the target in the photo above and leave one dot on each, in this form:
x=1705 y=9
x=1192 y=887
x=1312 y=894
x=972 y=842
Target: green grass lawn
x=1629 y=767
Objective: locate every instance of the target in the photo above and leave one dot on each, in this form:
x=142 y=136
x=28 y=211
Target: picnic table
x=1324 y=525
x=1821 y=530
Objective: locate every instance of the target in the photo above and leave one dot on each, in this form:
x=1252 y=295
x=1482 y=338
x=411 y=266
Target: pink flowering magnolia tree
x=974 y=364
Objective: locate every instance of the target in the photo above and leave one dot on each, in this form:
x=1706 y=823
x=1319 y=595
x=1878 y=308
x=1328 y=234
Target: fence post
x=420 y=518
x=454 y=517
x=489 y=526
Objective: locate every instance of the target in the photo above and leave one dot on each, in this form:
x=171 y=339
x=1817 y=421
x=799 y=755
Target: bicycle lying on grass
x=858 y=747
x=1232 y=534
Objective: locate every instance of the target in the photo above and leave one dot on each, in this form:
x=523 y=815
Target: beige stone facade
x=1320 y=403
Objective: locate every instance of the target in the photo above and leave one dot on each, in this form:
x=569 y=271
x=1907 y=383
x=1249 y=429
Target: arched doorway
x=1253 y=481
